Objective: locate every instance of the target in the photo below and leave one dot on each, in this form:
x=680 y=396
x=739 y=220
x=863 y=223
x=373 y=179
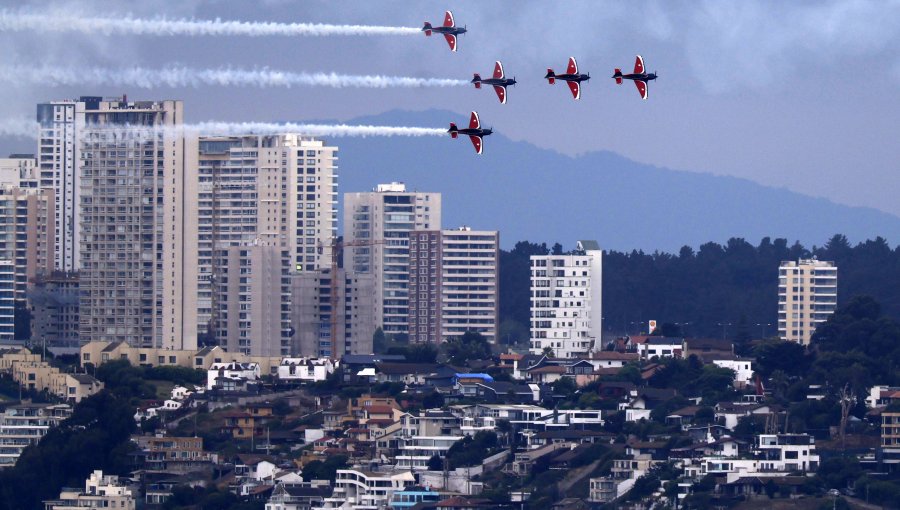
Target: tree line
x=717 y=290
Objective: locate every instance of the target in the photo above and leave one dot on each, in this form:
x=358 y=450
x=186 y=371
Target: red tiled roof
x=379 y=409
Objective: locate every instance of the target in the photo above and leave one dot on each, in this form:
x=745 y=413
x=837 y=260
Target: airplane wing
x=573 y=67
x=575 y=87
x=474 y=121
x=451 y=40
x=478 y=143
x=501 y=93
x=498 y=70
x=639 y=65
x=448 y=19
x=642 y=88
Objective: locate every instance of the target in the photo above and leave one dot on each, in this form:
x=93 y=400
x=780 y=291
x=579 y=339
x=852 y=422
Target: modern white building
x=364 y=490
x=23 y=425
x=566 y=301
x=305 y=369
x=20 y=171
x=377 y=226
x=99 y=492
x=59 y=168
x=454 y=284
x=231 y=370
x=312 y=314
x=742 y=367
x=807 y=296
x=138 y=224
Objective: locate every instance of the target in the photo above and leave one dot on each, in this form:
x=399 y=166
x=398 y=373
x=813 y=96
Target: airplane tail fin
x=550 y=76
x=618 y=76
x=427 y=29
x=454 y=131
x=477 y=80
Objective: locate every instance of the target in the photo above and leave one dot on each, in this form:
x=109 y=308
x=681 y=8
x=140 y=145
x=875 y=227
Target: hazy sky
x=797 y=94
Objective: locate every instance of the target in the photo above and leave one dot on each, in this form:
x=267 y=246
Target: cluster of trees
x=210 y=498
x=96 y=436
x=458 y=351
x=733 y=284
x=131 y=382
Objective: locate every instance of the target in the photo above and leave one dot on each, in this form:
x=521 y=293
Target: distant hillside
x=541 y=195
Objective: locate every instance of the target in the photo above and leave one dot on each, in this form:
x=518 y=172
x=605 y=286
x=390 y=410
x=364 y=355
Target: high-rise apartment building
x=377 y=226
x=59 y=168
x=453 y=284
x=54 y=310
x=566 y=301
x=267 y=204
x=254 y=300
x=137 y=217
x=807 y=296
x=20 y=171
x=26 y=233
x=350 y=308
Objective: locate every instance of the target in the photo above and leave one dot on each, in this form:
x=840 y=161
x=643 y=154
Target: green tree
x=379 y=341
x=470 y=346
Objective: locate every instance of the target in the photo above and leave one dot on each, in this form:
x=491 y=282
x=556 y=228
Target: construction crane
x=337 y=249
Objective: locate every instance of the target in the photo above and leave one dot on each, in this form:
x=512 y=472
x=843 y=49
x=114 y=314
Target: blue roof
x=484 y=377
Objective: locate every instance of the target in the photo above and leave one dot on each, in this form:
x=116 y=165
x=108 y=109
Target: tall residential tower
x=566 y=301
x=807 y=296
x=377 y=227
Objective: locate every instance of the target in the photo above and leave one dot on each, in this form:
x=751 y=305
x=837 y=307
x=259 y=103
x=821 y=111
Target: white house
x=305 y=369
x=742 y=368
x=661 y=347
x=231 y=370
x=359 y=490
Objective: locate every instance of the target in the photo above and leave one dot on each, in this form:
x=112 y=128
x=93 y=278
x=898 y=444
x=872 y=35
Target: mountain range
x=540 y=195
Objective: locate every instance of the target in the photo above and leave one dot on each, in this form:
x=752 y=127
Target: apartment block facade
x=377 y=227
x=453 y=284
x=277 y=190
x=807 y=296
x=19 y=171
x=26 y=234
x=566 y=301
x=138 y=222
x=312 y=313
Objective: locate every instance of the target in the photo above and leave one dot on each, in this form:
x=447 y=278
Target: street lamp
x=763 y=327
x=834 y=493
x=724 y=328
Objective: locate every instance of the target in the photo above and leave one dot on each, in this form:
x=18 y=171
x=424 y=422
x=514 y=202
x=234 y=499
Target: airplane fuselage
x=447 y=30
x=500 y=82
x=639 y=76
x=572 y=77
x=475 y=131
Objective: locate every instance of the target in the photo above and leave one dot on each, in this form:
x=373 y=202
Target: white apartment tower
x=454 y=284
x=138 y=223
x=807 y=296
x=59 y=168
x=566 y=301
x=377 y=226
x=267 y=205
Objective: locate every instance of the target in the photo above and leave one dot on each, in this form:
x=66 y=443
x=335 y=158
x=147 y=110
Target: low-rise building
x=296 y=370
x=25 y=424
x=742 y=368
x=219 y=375
x=99 y=492
x=362 y=490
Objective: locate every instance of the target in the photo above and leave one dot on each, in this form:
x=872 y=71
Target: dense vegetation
x=734 y=284
x=96 y=436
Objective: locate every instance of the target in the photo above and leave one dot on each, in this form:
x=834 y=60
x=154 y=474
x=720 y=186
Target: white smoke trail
x=48 y=22
x=25 y=128
x=22 y=128
x=188 y=77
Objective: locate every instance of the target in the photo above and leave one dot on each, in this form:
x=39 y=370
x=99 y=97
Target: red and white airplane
x=639 y=76
x=474 y=131
x=572 y=77
x=499 y=81
x=449 y=30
